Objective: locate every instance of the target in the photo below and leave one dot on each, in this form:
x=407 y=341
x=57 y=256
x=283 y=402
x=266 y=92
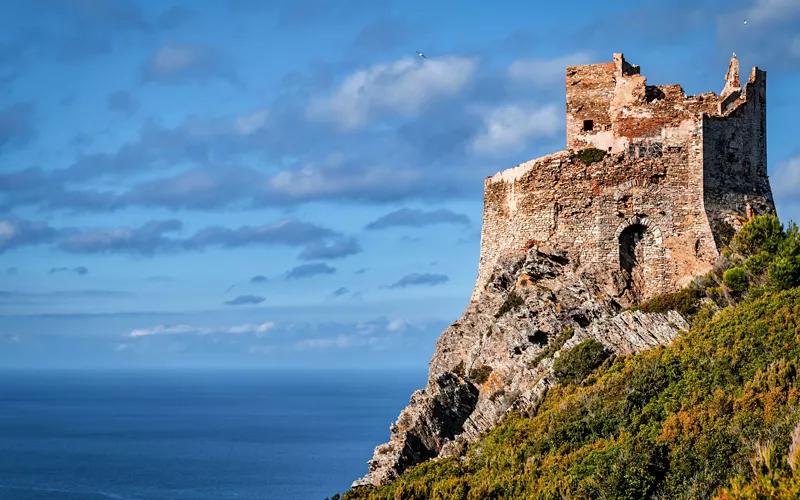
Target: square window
x=588 y=125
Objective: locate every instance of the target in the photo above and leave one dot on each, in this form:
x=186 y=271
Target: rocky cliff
x=499 y=355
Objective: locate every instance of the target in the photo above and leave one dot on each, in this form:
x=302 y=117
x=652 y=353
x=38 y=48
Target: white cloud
x=507 y=129
x=260 y=349
x=170 y=58
x=164 y=330
x=544 y=72
x=247 y=328
x=181 y=63
x=397 y=325
x=367 y=334
x=785 y=180
x=312 y=181
x=199 y=129
x=795 y=47
x=772 y=10
x=258 y=329
x=248 y=123
x=339 y=342
x=405 y=86
x=7 y=230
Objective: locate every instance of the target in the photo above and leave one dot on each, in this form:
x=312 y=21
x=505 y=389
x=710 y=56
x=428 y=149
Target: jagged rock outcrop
x=499 y=355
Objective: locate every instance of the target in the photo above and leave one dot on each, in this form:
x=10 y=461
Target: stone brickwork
x=680 y=175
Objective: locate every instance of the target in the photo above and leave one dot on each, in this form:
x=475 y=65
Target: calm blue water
x=182 y=435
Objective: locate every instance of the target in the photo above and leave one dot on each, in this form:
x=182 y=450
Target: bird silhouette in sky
x=421 y=55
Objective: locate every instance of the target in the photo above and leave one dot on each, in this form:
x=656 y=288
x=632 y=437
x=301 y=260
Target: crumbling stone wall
x=677 y=168
x=735 y=155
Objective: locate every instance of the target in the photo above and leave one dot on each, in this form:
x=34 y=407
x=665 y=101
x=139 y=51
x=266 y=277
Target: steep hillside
x=500 y=355
x=711 y=414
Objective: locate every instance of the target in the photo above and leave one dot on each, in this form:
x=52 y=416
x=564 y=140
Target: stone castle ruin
x=652 y=185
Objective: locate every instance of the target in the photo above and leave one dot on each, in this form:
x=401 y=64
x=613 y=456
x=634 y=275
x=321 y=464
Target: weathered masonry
x=679 y=175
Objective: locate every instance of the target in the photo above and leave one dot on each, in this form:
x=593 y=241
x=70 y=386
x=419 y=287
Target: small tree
x=735 y=279
x=764 y=232
x=784 y=273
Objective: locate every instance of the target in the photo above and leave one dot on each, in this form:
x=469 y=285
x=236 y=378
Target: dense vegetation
x=577 y=363
x=590 y=155
x=712 y=415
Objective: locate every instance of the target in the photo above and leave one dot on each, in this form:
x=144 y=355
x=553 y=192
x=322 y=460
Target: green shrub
x=763 y=232
x=756 y=292
x=577 y=363
x=784 y=273
x=758 y=263
x=705 y=315
x=686 y=301
x=480 y=373
x=735 y=279
x=590 y=155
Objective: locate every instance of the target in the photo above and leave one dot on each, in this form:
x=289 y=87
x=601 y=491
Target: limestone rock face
x=499 y=355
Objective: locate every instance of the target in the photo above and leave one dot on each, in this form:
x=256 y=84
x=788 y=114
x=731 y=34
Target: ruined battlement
x=680 y=175
x=611 y=107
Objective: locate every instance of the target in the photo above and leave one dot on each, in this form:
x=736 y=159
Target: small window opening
x=588 y=125
x=609 y=149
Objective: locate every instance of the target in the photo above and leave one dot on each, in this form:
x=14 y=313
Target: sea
x=191 y=435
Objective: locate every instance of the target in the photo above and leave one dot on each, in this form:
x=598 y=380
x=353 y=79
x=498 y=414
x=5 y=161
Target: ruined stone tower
x=680 y=174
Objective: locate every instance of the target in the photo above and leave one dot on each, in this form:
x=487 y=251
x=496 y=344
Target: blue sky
x=285 y=184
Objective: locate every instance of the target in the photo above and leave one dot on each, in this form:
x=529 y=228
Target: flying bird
x=745 y=22
x=421 y=55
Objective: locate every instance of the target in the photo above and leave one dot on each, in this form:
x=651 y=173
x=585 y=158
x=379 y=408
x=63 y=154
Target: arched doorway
x=632 y=259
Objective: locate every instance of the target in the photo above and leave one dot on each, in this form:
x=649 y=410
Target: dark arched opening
x=631 y=258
